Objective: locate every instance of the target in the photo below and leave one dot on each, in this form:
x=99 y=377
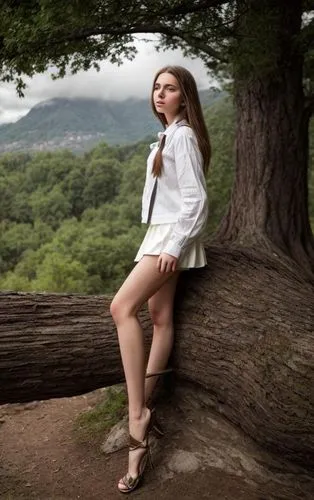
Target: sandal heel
x=156 y=428
x=150 y=459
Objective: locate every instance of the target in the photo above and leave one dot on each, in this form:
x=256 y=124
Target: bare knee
x=161 y=317
x=117 y=309
x=120 y=310
x=114 y=308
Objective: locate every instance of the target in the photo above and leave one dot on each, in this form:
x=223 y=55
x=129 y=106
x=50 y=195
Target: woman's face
x=167 y=96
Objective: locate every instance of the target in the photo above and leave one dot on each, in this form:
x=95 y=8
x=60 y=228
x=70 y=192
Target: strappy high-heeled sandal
x=130 y=482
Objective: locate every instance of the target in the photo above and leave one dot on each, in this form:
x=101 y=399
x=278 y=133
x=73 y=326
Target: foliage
x=38 y=34
x=221 y=123
x=70 y=223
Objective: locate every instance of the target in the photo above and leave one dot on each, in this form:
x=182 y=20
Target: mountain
x=78 y=124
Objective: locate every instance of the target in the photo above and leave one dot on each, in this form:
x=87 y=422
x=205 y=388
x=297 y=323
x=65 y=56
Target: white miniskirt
x=156 y=238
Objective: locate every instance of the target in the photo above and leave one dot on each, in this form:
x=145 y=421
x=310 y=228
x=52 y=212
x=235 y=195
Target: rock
x=117 y=438
x=183 y=461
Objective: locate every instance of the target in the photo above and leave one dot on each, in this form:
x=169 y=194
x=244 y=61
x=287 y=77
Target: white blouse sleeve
x=192 y=184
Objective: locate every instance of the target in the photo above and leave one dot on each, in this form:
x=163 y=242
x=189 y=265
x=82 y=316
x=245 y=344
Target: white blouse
x=181 y=195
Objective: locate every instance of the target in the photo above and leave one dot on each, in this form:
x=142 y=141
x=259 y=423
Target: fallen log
x=56 y=345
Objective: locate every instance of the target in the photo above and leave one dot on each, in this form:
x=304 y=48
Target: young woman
x=175 y=206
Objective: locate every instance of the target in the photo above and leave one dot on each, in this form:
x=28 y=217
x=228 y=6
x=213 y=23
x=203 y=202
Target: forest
x=72 y=224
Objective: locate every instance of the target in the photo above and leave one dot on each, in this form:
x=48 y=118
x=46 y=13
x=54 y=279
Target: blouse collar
x=169 y=130
x=172 y=127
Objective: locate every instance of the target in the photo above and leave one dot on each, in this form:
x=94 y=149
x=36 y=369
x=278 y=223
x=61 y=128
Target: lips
x=159 y=103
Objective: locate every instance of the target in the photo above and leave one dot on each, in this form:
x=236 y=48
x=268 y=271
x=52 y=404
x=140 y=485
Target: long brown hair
x=191 y=111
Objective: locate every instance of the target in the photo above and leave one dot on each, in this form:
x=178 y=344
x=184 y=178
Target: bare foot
x=137 y=429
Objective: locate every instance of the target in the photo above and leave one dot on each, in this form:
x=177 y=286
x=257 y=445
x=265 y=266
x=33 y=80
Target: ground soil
x=42 y=458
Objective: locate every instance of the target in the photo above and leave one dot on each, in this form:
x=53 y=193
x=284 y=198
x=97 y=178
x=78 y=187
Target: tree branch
x=193 y=7
x=143 y=28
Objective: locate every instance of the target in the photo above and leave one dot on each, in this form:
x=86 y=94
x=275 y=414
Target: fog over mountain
x=112 y=82
x=78 y=124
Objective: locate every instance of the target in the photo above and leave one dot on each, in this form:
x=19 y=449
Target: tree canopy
x=39 y=34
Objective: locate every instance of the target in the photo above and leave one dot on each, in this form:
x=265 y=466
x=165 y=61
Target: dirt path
x=41 y=458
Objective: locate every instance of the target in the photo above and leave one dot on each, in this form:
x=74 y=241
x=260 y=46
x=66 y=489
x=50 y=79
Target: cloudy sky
x=132 y=79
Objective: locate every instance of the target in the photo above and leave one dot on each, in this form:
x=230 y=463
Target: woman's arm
x=192 y=185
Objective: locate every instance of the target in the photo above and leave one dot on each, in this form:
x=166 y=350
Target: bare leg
x=143 y=282
x=161 y=310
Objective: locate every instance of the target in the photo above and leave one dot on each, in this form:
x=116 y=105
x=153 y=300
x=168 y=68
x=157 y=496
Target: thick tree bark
x=264 y=299
x=269 y=203
x=245 y=333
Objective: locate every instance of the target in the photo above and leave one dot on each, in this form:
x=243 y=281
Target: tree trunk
x=245 y=334
x=269 y=203
x=261 y=276
x=55 y=345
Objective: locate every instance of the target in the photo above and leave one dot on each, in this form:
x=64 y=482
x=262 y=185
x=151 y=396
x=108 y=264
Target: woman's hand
x=166 y=263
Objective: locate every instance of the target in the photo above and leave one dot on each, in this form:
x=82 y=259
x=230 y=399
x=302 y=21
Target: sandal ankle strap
x=161 y=372
x=134 y=443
